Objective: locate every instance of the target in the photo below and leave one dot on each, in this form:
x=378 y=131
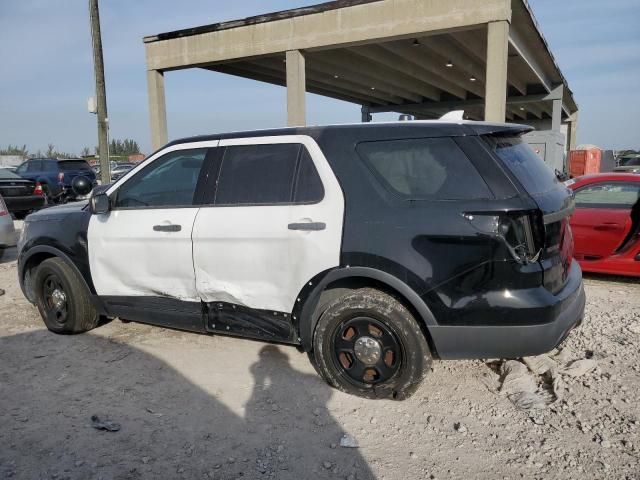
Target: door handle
x=608 y=227
x=308 y=226
x=167 y=228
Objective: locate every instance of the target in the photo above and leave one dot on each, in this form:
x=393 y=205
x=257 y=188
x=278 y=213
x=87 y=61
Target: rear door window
x=426 y=168
x=266 y=175
x=530 y=170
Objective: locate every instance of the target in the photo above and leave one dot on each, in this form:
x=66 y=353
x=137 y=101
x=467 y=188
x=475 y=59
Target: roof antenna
x=455 y=115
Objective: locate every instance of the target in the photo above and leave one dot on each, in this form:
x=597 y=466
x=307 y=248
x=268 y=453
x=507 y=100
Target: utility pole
x=101 y=94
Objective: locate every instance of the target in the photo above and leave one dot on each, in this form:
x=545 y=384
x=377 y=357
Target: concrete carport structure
x=419 y=57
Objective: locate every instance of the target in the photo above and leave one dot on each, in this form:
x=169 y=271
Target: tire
x=368 y=344
x=1 y=253
x=62 y=298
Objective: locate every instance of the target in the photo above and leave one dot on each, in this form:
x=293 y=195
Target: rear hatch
x=75 y=168
x=552 y=230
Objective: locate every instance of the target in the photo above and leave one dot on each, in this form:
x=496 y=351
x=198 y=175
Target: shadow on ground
x=50 y=386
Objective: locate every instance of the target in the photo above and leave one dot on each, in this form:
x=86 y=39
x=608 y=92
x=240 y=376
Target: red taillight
x=3 y=208
x=61 y=177
x=38 y=190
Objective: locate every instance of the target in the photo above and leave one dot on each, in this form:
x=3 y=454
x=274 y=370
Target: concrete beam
x=497 y=62
x=452 y=81
x=157 y=109
x=343 y=74
x=379 y=21
x=534 y=100
x=329 y=81
x=395 y=63
x=296 y=89
x=474 y=43
x=393 y=71
x=276 y=78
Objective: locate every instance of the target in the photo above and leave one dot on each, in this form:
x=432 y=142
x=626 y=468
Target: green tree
x=123 y=148
x=15 y=150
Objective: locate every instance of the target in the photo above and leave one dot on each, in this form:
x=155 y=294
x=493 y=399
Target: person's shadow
x=290 y=409
x=51 y=385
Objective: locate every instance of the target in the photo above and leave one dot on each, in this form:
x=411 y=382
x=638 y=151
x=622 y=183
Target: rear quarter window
x=68 y=165
x=530 y=170
x=424 y=169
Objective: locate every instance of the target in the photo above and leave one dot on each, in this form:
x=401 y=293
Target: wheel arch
x=317 y=292
x=34 y=257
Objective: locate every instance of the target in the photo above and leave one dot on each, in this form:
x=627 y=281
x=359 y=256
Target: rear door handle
x=308 y=226
x=167 y=228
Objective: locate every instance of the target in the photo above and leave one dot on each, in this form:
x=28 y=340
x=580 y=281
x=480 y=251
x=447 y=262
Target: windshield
x=67 y=165
x=8 y=174
x=631 y=162
x=534 y=175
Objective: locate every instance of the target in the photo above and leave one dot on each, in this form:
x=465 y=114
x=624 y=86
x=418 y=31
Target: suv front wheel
x=367 y=343
x=62 y=298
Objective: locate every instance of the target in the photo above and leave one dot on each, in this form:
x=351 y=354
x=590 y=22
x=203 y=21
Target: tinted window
x=621 y=195
x=429 y=168
x=34 y=166
x=169 y=181
x=530 y=170
x=308 y=187
x=68 y=165
x=257 y=174
x=50 y=166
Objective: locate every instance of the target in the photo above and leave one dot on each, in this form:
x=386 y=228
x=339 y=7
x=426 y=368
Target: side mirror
x=99 y=204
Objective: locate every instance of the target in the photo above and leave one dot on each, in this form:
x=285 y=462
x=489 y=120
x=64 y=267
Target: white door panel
x=129 y=258
x=141 y=251
x=248 y=255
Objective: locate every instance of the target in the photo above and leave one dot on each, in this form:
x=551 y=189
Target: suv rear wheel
x=368 y=344
x=62 y=298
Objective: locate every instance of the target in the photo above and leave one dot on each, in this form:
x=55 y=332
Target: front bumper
x=566 y=309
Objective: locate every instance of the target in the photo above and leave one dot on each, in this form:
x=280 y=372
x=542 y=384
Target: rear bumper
x=24 y=204
x=566 y=309
x=7 y=232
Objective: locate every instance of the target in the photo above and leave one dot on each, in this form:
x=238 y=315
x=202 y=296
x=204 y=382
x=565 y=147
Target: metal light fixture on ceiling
x=522 y=109
x=449 y=64
x=336 y=76
x=473 y=78
x=416 y=43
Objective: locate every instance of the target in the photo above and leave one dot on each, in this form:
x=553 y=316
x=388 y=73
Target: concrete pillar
x=556 y=115
x=296 y=89
x=495 y=109
x=157 y=108
x=366 y=114
x=572 y=134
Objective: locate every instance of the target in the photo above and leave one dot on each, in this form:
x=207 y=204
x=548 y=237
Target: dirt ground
x=211 y=407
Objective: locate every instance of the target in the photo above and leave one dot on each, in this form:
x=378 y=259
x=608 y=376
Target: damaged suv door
x=142 y=246
x=271 y=220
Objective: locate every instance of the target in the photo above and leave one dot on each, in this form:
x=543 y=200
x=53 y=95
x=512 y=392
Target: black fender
x=310 y=296
x=23 y=261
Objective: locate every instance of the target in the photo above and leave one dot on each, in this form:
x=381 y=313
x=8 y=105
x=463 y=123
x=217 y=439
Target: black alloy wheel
x=367 y=351
x=55 y=300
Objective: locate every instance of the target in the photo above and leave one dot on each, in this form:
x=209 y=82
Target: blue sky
x=47 y=71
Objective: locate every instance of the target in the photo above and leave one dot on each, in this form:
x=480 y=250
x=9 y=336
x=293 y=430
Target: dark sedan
x=21 y=195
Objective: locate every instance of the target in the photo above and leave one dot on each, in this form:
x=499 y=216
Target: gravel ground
x=211 y=407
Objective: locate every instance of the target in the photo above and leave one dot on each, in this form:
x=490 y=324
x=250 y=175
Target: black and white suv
x=374 y=247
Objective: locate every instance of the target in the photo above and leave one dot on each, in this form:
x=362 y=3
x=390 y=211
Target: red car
x=606 y=223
